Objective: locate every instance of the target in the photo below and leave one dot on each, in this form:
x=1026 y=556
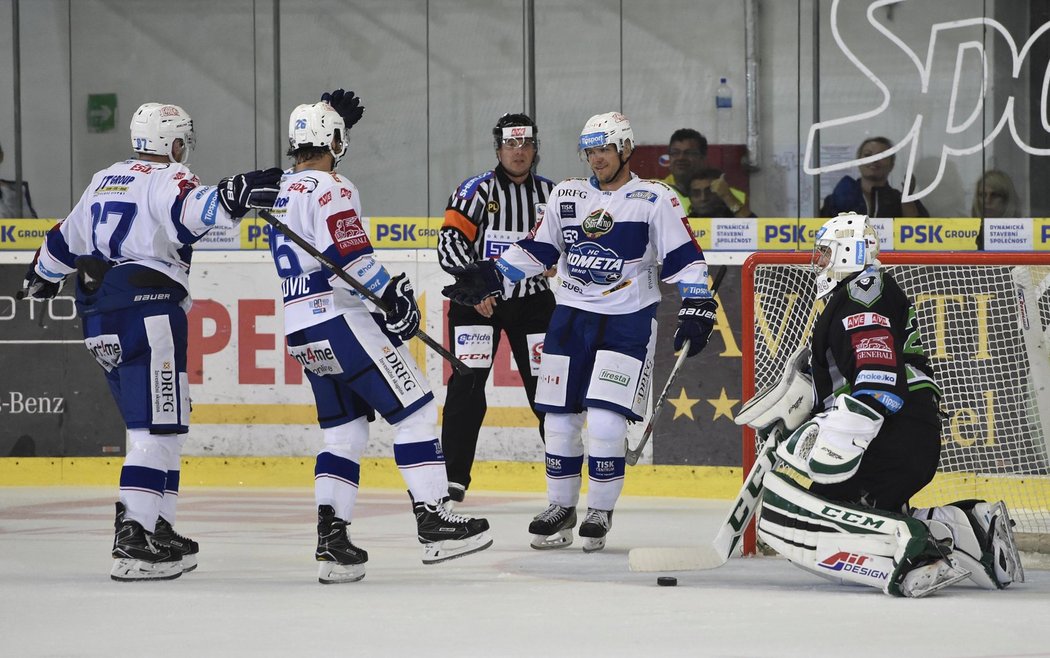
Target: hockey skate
x=552 y=528
x=165 y=535
x=445 y=535
x=341 y=561
x=995 y=531
x=594 y=528
x=137 y=557
x=927 y=579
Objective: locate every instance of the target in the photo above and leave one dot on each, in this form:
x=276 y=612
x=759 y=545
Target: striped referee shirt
x=486 y=214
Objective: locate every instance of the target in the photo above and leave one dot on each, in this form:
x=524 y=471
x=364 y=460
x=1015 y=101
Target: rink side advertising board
x=54 y=401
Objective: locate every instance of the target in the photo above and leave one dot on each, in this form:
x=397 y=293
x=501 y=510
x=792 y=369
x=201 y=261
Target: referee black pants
x=465 y=403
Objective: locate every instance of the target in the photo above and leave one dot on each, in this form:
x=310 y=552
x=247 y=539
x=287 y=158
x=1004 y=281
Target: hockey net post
x=985 y=324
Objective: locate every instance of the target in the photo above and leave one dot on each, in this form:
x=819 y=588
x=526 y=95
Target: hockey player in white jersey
x=129 y=239
x=355 y=358
x=613 y=237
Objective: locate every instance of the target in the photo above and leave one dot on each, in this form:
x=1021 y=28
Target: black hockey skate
x=341 y=561
x=137 y=557
x=445 y=535
x=552 y=528
x=594 y=528
x=165 y=535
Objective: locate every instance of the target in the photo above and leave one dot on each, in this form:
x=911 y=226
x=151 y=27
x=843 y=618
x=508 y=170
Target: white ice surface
x=256 y=594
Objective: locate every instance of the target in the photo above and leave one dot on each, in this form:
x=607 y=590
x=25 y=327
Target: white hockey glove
x=828 y=449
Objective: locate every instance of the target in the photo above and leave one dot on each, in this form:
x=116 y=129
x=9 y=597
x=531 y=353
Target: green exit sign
x=101 y=113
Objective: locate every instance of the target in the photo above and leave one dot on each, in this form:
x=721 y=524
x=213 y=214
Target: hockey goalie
x=859 y=409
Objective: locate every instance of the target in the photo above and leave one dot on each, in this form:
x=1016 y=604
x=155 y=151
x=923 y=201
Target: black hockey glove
x=696 y=319
x=474 y=283
x=402 y=314
x=255 y=189
x=346 y=104
x=35 y=286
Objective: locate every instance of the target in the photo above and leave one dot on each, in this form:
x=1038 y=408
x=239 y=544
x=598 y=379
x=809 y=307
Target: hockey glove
x=474 y=283
x=255 y=189
x=696 y=319
x=37 y=287
x=346 y=104
x=402 y=314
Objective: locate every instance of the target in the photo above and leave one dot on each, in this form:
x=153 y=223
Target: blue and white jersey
x=612 y=248
x=325 y=209
x=136 y=211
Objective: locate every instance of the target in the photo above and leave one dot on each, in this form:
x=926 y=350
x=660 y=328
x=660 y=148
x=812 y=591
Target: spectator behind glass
x=711 y=196
x=871 y=194
x=994 y=196
x=9 y=197
x=687 y=156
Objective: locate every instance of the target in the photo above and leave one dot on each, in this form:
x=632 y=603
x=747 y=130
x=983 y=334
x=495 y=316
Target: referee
x=486 y=214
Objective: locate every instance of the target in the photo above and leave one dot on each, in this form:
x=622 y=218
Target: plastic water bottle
x=723 y=113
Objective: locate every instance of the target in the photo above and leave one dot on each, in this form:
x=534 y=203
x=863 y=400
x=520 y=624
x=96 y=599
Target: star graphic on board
x=723 y=405
x=683 y=405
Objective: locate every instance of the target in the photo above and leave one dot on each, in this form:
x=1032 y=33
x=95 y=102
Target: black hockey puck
x=666 y=581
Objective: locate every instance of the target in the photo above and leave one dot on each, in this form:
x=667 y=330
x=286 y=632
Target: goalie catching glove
x=254 y=189
x=402 y=314
x=696 y=319
x=828 y=448
x=474 y=283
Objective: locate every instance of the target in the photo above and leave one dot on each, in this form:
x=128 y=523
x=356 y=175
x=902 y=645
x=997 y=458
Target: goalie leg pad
x=851 y=544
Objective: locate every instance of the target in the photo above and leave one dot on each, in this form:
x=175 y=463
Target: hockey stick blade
x=633 y=454
x=696 y=558
x=359 y=288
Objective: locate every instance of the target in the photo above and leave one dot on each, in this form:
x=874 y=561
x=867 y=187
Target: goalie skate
x=594 y=528
x=1002 y=560
x=552 y=528
x=341 y=561
x=137 y=558
x=927 y=579
x=446 y=536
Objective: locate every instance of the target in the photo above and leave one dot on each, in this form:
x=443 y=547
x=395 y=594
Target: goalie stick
x=633 y=454
x=458 y=365
x=715 y=554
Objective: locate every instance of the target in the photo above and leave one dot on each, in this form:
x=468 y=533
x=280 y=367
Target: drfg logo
x=940 y=86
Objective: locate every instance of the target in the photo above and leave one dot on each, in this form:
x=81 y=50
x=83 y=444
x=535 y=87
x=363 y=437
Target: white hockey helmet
x=608 y=128
x=156 y=126
x=844 y=245
x=316 y=126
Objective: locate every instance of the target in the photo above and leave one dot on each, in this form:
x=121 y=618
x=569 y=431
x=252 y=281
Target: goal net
x=984 y=321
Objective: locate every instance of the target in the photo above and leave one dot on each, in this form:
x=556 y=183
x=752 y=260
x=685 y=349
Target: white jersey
x=612 y=247
x=325 y=209
x=140 y=212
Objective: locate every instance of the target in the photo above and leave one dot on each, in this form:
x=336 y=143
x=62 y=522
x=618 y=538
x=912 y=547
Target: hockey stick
x=715 y=554
x=458 y=365
x=633 y=454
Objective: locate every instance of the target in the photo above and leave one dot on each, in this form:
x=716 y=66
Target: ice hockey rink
x=255 y=592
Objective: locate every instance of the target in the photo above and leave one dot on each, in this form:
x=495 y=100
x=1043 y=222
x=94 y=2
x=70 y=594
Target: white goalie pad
x=829 y=448
x=789 y=400
x=850 y=544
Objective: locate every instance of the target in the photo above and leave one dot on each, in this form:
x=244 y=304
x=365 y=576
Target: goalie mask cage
x=984 y=321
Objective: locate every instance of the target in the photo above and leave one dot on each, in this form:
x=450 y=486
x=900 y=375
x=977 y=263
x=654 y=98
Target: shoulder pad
x=866 y=288
x=469 y=187
x=660 y=183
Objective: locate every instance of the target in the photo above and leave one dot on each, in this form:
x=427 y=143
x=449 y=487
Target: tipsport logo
x=943 y=110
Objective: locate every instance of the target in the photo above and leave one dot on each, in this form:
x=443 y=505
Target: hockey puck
x=666 y=581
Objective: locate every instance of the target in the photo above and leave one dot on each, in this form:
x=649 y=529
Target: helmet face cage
x=604 y=129
x=844 y=245
x=515 y=130
x=156 y=126
x=316 y=126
